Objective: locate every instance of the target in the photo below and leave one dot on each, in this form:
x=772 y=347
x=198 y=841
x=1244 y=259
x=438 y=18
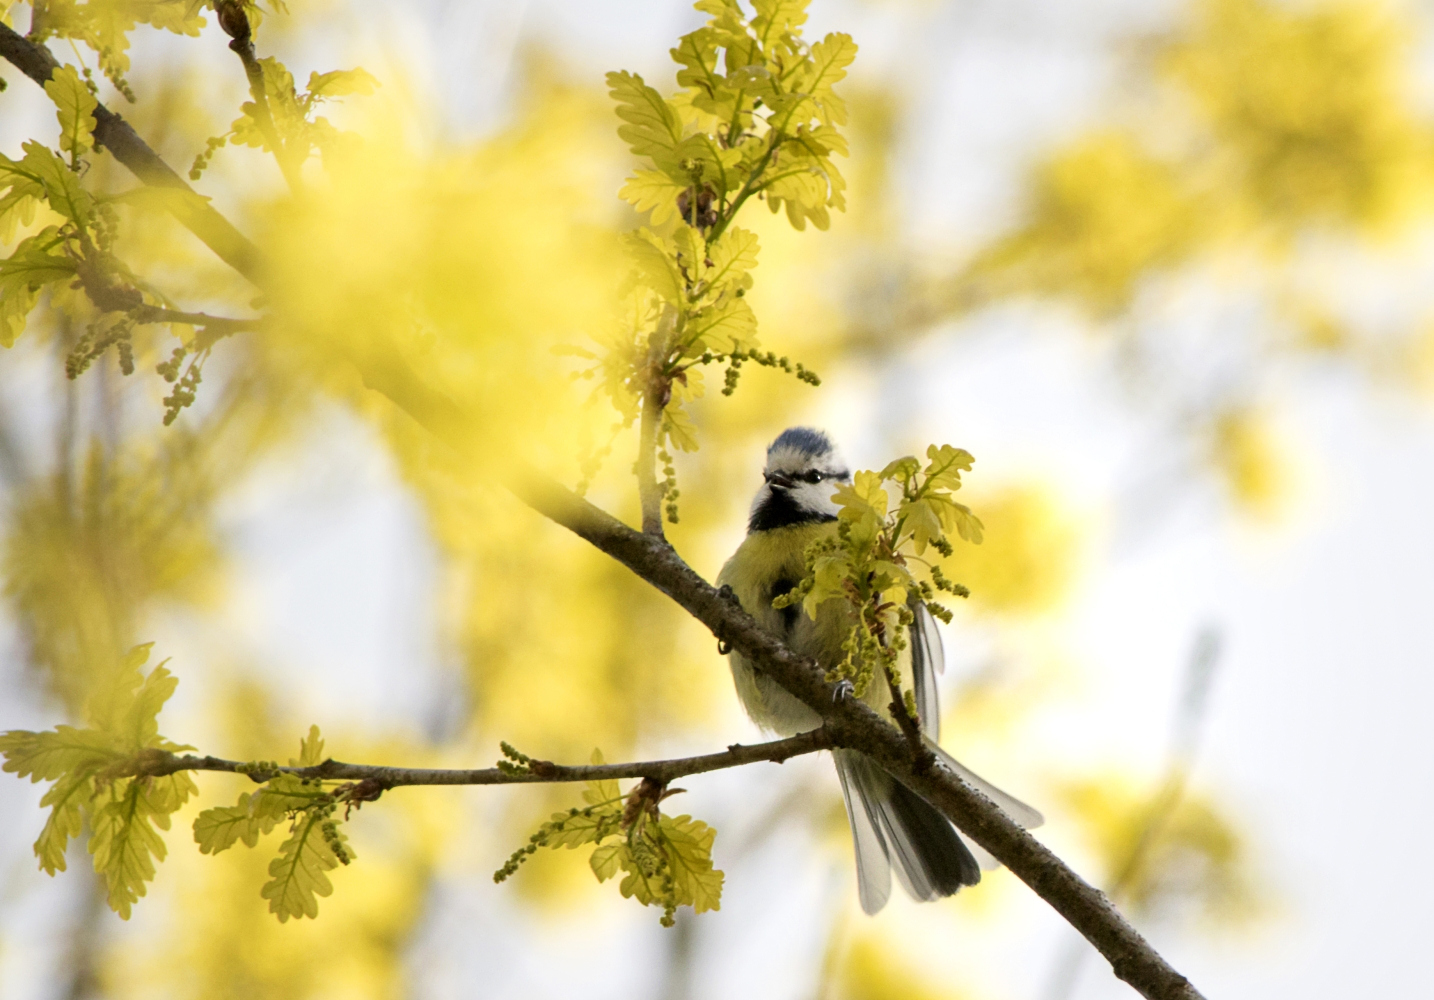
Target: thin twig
x=218 y=324
x=236 y=23
x=1184 y=745
x=156 y=764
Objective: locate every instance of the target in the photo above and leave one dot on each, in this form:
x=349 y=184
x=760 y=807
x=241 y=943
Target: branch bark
x=157 y=764
x=847 y=722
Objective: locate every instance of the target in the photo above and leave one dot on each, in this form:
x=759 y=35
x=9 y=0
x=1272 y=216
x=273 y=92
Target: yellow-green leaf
x=695 y=882
x=61 y=184
x=825 y=67
x=74 y=106
x=54 y=753
x=863 y=495
x=655 y=259
x=607 y=860
x=680 y=429
x=341 y=83
x=124 y=842
x=218 y=829
x=923 y=521
x=283 y=794
x=653 y=191
x=298 y=875
x=721 y=327
x=311 y=750
x=64 y=798
x=603 y=791
x=653 y=129
x=140 y=725
x=732 y=257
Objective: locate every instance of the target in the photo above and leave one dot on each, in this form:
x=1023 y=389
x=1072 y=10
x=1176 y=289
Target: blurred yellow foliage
x=1253 y=462
x=1029 y=559
x=873 y=969
x=1105 y=213
x=1295 y=116
x=1313 y=105
x=1191 y=854
x=490 y=257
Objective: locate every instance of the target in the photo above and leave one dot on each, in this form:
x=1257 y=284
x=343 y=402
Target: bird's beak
x=779 y=480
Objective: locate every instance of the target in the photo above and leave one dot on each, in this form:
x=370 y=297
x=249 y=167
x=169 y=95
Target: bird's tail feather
x=890 y=823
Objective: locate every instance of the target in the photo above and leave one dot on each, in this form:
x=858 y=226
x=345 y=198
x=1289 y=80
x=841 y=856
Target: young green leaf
x=75 y=107
x=608 y=860
x=653 y=128
x=298 y=875
x=23 y=274
x=311 y=750
x=824 y=68
x=64 y=798
x=125 y=843
x=695 y=882
x=340 y=83
x=61 y=184
x=653 y=191
x=221 y=827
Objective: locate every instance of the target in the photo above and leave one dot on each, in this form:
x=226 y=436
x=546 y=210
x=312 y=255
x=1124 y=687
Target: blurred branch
x=159 y=763
x=1184 y=744
x=220 y=325
x=235 y=23
x=115 y=134
x=849 y=722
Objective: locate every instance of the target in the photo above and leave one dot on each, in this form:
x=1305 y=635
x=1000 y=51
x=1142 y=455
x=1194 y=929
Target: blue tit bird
x=891 y=825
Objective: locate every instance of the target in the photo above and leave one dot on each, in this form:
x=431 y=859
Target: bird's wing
x=927 y=660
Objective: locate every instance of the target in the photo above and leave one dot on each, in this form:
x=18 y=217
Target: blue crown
x=806 y=440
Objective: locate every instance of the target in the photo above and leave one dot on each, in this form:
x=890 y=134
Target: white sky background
x=1323 y=690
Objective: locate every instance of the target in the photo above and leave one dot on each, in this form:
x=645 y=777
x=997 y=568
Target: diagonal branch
x=159 y=763
x=847 y=722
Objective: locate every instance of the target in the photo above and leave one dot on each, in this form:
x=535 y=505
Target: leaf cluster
x=757 y=117
x=97 y=780
x=77 y=250
x=284 y=122
x=882 y=532
x=316 y=844
x=104 y=26
x=665 y=860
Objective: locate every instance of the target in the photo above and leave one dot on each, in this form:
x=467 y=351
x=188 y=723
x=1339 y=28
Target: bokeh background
x=1165 y=268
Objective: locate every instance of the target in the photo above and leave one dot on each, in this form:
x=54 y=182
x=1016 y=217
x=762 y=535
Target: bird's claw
x=844 y=690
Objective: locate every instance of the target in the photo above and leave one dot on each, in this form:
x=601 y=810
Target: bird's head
x=803 y=471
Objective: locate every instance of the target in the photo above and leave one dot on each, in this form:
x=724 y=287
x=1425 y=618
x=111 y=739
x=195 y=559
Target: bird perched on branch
x=891 y=825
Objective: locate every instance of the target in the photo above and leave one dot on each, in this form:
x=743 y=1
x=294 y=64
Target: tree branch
x=222 y=325
x=848 y=722
x=157 y=764
x=235 y=23
x=115 y=134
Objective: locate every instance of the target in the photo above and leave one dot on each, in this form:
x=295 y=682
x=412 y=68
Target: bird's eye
x=812 y=477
